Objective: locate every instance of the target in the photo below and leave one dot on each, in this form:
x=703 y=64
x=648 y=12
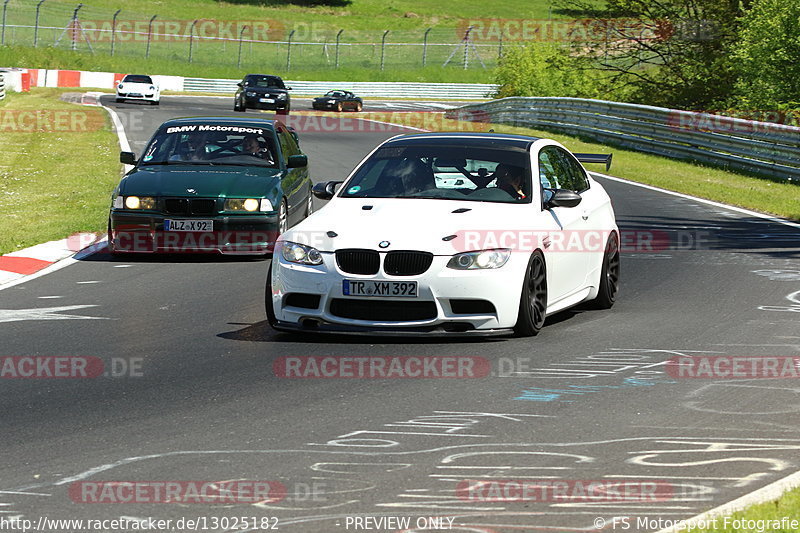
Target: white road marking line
x=770 y=218
x=87 y=282
x=122 y=266
x=45 y=313
x=49 y=297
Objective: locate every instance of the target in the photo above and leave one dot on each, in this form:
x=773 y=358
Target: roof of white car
x=519 y=141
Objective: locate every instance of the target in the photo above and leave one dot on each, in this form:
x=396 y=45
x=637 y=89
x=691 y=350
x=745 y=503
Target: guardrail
x=461 y=91
x=763 y=148
x=2 y=87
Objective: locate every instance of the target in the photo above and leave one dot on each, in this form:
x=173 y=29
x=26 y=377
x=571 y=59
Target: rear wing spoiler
x=595 y=158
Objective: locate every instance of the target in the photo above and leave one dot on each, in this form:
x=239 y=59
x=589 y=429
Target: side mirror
x=297 y=161
x=563 y=198
x=325 y=190
x=240 y=84
x=288 y=88
x=127 y=158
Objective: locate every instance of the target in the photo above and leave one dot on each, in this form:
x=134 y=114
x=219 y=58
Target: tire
x=339 y=107
x=533 y=298
x=609 y=275
x=288 y=107
x=155 y=102
x=238 y=108
x=359 y=107
x=271 y=320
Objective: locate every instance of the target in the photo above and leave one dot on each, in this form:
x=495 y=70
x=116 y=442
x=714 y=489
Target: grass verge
x=206 y=67
x=768 y=516
x=58 y=166
x=758 y=194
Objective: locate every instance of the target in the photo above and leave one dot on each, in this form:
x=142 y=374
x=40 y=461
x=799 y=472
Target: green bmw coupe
x=206 y=184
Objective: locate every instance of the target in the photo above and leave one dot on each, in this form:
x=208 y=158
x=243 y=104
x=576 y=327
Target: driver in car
x=252 y=146
x=509 y=179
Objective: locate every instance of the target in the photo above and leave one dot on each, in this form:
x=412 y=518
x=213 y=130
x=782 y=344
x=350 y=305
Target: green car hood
x=207 y=181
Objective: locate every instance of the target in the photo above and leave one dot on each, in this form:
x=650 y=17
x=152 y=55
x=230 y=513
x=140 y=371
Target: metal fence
x=762 y=148
x=462 y=91
x=2 y=87
x=268 y=44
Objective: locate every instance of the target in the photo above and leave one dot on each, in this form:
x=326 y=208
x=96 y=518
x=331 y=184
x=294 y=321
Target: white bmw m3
x=451 y=234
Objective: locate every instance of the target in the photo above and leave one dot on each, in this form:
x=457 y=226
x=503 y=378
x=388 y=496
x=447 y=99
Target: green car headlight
x=243 y=204
x=140 y=202
x=482 y=259
x=301 y=254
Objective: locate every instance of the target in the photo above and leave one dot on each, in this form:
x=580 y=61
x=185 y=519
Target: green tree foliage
x=673 y=53
x=543 y=69
x=767 y=55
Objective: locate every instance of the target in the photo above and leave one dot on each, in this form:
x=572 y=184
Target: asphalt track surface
x=588 y=399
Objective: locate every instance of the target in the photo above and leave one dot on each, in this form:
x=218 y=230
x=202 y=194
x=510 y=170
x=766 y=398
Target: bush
x=767 y=56
x=544 y=69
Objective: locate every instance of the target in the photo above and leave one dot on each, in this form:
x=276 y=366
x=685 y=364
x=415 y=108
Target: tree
x=673 y=53
x=767 y=55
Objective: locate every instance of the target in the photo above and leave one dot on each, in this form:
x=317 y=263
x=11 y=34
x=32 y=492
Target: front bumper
x=254 y=103
x=234 y=235
x=437 y=290
x=424 y=331
x=149 y=97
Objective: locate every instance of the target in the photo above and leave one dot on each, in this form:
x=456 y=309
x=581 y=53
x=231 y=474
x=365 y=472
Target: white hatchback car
x=138 y=87
x=453 y=234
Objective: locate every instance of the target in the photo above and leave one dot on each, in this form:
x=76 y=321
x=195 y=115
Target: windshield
x=474 y=173
x=336 y=93
x=212 y=144
x=135 y=78
x=264 y=81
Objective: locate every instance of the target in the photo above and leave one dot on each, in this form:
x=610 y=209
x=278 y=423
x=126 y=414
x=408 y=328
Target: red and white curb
x=37 y=260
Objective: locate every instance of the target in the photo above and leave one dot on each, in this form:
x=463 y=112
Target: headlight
x=479 y=260
x=119 y=86
x=140 y=202
x=299 y=253
x=281 y=96
x=152 y=88
x=243 y=204
x=250 y=93
x=331 y=101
